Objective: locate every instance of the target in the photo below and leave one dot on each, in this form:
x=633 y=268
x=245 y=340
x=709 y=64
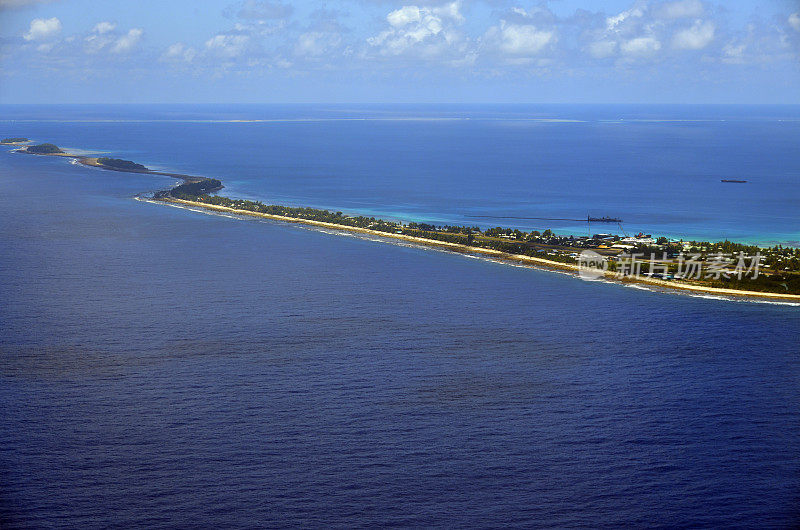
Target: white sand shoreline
x=502 y=256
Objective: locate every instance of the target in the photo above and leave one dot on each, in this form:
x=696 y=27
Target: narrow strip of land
x=503 y=256
x=110 y=164
x=194 y=192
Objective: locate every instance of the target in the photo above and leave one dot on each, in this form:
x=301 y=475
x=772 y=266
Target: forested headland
x=43 y=149
x=118 y=163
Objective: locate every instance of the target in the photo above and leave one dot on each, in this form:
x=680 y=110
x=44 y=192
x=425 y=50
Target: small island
x=206 y=185
x=118 y=163
x=44 y=149
x=14 y=140
x=191 y=190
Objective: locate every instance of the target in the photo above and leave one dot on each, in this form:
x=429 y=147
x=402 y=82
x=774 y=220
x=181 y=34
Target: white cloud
x=451 y=11
x=523 y=39
x=697 y=37
x=105 y=37
x=640 y=46
x=794 y=21
x=96 y=42
x=100 y=37
x=42 y=29
x=612 y=23
x=403 y=16
x=622 y=32
x=228 y=46
x=760 y=42
x=180 y=52
x=425 y=35
x=640 y=31
x=126 y=42
x=428 y=30
x=104 y=27
x=733 y=53
x=682 y=9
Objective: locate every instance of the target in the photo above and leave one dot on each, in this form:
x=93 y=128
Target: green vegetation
x=13 y=140
x=726 y=247
x=312 y=214
x=778 y=278
x=782 y=283
x=44 y=149
x=118 y=163
x=461 y=235
x=190 y=190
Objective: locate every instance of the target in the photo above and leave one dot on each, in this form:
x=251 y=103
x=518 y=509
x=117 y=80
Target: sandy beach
x=496 y=254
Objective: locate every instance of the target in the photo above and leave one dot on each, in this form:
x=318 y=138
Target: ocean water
x=167 y=368
x=658 y=168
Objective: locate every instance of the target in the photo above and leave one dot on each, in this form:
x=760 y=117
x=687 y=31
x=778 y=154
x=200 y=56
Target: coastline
x=519 y=259
x=93 y=161
x=501 y=256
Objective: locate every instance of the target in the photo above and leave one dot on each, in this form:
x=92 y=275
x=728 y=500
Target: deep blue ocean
x=161 y=367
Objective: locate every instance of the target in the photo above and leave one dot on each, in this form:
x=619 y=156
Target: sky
x=406 y=51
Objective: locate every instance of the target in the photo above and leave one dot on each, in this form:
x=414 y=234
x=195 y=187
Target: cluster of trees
x=422 y=226
x=490 y=232
x=461 y=229
x=190 y=191
x=118 y=163
x=518 y=234
x=312 y=214
x=13 y=140
x=779 y=258
x=782 y=258
x=453 y=229
x=448 y=237
x=726 y=247
x=784 y=283
x=672 y=249
x=525 y=249
x=44 y=149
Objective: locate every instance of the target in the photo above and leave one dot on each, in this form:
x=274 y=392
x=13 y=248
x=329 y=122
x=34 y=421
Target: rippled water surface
x=160 y=367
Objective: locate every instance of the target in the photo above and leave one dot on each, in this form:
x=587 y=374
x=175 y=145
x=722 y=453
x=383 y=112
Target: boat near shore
x=194 y=188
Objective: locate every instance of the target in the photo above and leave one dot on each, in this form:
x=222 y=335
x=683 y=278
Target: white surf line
x=525 y=262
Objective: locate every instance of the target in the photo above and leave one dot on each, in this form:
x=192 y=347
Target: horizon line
x=401 y=103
